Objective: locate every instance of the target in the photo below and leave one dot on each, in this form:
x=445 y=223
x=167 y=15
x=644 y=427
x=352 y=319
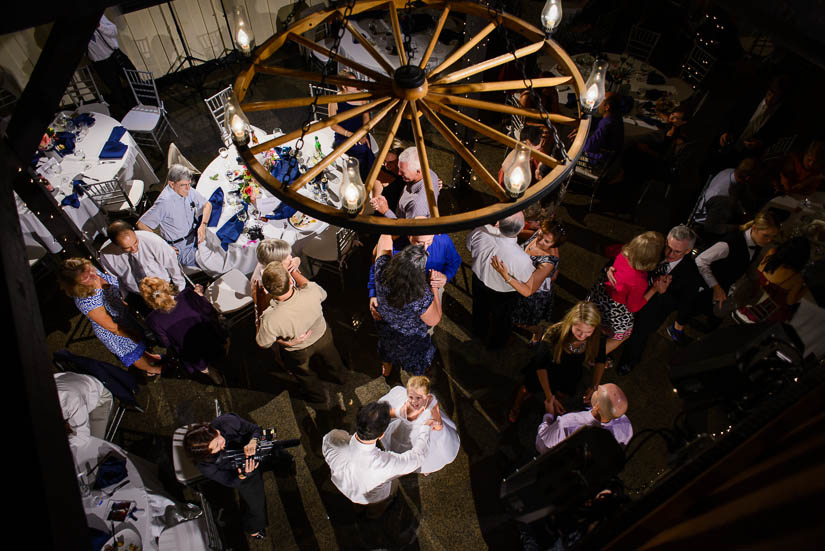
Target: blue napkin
x=111 y=471
x=67 y=140
x=230 y=231
x=283 y=211
x=285 y=169
x=77 y=187
x=84 y=118
x=113 y=149
x=217 y=207
x=73 y=199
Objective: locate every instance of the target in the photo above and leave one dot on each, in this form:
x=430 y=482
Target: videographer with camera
x=205 y=443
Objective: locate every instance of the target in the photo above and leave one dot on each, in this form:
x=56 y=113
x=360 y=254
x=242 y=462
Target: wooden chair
x=321 y=111
x=696 y=66
x=217 y=106
x=114 y=196
x=147 y=121
x=84 y=93
x=641 y=43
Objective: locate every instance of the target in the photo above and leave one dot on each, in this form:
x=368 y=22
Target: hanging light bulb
x=242 y=31
x=594 y=87
x=353 y=193
x=517 y=174
x=551 y=16
x=235 y=122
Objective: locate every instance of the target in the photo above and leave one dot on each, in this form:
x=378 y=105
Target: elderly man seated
x=608 y=407
x=85 y=404
x=133 y=255
x=413 y=200
x=181 y=213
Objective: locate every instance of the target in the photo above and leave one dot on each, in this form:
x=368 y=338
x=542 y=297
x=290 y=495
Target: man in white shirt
x=727 y=197
x=85 y=404
x=609 y=405
x=362 y=472
x=132 y=255
x=493 y=296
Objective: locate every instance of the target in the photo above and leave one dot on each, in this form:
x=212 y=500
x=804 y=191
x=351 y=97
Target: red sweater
x=631 y=285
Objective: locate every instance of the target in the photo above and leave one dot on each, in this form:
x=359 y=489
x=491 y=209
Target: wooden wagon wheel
x=410 y=91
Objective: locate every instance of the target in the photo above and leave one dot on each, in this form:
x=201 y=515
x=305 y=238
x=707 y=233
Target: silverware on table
x=110 y=493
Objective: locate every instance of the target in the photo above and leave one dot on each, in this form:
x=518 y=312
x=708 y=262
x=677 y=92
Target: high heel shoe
x=515 y=411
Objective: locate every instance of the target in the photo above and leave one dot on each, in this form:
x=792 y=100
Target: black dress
x=563 y=376
x=238 y=432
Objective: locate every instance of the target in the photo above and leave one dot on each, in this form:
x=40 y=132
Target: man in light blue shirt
x=181 y=213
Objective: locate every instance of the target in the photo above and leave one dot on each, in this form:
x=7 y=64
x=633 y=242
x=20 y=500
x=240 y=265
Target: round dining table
x=296 y=230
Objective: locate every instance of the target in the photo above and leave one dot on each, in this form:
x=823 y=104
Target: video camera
x=267 y=444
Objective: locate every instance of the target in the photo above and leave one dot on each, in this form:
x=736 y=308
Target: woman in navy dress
x=344 y=129
x=97 y=296
x=408 y=306
x=187 y=323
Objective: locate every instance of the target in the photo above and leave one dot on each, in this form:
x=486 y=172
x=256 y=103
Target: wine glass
x=277 y=132
x=243 y=216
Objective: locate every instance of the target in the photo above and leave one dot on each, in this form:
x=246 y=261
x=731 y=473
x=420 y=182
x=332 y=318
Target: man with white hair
x=608 y=407
x=413 y=201
x=181 y=213
x=493 y=296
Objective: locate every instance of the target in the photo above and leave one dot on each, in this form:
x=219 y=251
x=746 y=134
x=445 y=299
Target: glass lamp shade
x=551 y=16
x=517 y=175
x=353 y=193
x=236 y=123
x=242 y=31
x=594 y=87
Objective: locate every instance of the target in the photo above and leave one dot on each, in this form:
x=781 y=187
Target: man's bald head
x=609 y=401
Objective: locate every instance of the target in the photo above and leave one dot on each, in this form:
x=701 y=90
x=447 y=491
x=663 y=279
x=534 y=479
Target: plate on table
x=126 y=539
x=303 y=222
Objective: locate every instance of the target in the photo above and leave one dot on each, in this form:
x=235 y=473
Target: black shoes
x=677 y=336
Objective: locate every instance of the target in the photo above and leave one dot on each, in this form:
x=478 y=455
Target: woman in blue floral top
x=97 y=296
x=408 y=305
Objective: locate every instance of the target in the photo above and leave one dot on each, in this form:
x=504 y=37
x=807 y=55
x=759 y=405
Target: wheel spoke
x=375 y=75
x=342 y=148
x=491 y=133
x=466 y=47
x=434 y=40
x=425 y=163
x=498 y=86
x=314 y=127
x=301 y=102
x=317 y=77
x=464 y=152
x=370 y=48
x=396 y=33
x=499 y=108
x=382 y=154
x=489 y=64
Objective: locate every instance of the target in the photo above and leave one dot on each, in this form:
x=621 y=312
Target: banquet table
x=807 y=218
x=629 y=79
x=141 y=488
x=379 y=31
x=84 y=162
x=242 y=254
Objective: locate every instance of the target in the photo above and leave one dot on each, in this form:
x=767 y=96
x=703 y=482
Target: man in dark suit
x=685 y=281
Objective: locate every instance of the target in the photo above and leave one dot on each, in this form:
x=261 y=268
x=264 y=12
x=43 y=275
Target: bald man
x=608 y=407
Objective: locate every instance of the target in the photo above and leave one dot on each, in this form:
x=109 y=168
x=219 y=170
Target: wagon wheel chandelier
x=412 y=93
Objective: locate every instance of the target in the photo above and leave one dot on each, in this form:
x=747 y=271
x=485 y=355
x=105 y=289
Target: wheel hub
x=409 y=82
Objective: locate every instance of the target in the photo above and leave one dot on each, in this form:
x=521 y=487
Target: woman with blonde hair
x=270 y=250
x=187 y=323
x=344 y=129
x=97 y=295
x=618 y=301
x=415 y=405
x=557 y=366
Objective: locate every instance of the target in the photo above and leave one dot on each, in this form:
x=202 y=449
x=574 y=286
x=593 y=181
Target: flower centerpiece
x=248 y=188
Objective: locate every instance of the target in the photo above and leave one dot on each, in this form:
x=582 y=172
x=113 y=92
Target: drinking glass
x=277 y=132
x=243 y=216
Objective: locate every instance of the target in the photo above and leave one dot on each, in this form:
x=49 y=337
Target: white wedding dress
x=443 y=443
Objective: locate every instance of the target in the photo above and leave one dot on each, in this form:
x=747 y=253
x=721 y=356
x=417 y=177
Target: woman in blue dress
x=344 y=129
x=408 y=305
x=536 y=301
x=97 y=295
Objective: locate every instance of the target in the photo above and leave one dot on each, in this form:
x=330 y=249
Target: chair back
x=321 y=111
x=696 y=66
x=641 y=43
x=106 y=194
x=779 y=149
x=345 y=239
x=217 y=107
x=175 y=157
x=186 y=472
x=230 y=292
x=143 y=87
x=83 y=89
x=7 y=99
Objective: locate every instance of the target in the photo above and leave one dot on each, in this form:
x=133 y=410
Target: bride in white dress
x=412 y=406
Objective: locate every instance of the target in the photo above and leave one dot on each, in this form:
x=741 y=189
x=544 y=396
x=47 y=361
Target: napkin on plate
x=285 y=169
x=73 y=199
x=231 y=231
x=283 y=211
x=217 y=207
x=66 y=139
x=113 y=148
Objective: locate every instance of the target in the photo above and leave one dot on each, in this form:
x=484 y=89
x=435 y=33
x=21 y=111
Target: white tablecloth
x=242 y=254
x=142 y=489
x=379 y=31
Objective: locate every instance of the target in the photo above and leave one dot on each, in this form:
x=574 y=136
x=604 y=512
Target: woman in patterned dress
x=97 y=296
x=536 y=301
x=618 y=302
x=408 y=305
